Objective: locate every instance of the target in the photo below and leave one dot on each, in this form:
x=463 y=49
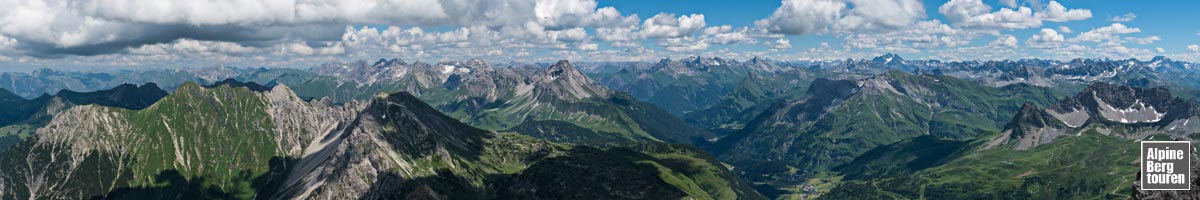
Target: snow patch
x=1139 y=112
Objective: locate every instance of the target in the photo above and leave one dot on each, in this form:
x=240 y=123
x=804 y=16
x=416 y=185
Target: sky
x=102 y=34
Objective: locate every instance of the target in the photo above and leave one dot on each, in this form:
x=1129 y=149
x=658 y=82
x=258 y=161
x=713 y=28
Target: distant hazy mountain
x=875 y=128
x=229 y=141
x=1122 y=111
x=839 y=120
x=537 y=101
x=541 y=102
x=683 y=86
x=1083 y=146
x=20 y=117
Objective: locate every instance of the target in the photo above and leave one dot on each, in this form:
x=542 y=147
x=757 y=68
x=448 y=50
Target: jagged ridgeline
x=20 y=116
x=557 y=103
x=694 y=84
x=544 y=101
x=234 y=141
x=1082 y=146
x=838 y=120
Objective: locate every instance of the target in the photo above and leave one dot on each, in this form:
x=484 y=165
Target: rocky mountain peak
x=479 y=64
x=235 y=83
x=421 y=125
x=1126 y=104
x=564 y=80
x=755 y=60
x=698 y=61
x=563 y=69
x=664 y=61
x=1132 y=110
x=888 y=58
x=1030 y=115
x=387 y=63
x=1160 y=58
x=1031 y=126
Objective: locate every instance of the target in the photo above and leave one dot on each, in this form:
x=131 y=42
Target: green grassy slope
x=885 y=109
x=1090 y=166
x=219 y=143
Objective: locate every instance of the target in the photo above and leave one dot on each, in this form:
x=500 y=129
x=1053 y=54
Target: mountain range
x=693 y=128
x=1082 y=146
x=233 y=142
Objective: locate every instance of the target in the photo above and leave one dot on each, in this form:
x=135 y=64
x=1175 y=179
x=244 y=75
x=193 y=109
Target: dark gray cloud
x=146 y=34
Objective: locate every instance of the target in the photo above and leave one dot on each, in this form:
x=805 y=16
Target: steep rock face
x=1123 y=111
x=1128 y=105
x=303 y=125
x=507 y=98
x=394 y=137
x=191 y=134
x=236 y=143
x=473 y=91
x=570 y=82
x=838 y=120
x=21 y=116
x=126 y=96
x=1031 y=126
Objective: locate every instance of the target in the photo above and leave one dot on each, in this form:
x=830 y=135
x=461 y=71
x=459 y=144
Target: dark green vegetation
x=473 y=91
x=903 y=158
x=1036 y=157
x=674 y=91
x=228 y=142
x=550 y=99
x=126 y=96
x=644 y=170
x=734 y=108
x=1090 y=166
x=836 y=121
x=690 y=85
x=220 y=135
x=829 y=129
x=22 y=116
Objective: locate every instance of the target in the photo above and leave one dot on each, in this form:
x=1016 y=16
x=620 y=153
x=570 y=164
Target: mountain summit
x=1124 y=111
x=228 y=142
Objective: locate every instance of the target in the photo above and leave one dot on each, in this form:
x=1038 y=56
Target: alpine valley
x=685 y=128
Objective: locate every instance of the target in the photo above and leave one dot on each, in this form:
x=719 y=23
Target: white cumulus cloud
x=1047 y=35
x=1109 y=32
x=666 y=25
x=814 y=16
x=976 y=14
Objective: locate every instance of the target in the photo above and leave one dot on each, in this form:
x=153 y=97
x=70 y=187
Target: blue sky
x=1167 y=19
x=282 y=33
